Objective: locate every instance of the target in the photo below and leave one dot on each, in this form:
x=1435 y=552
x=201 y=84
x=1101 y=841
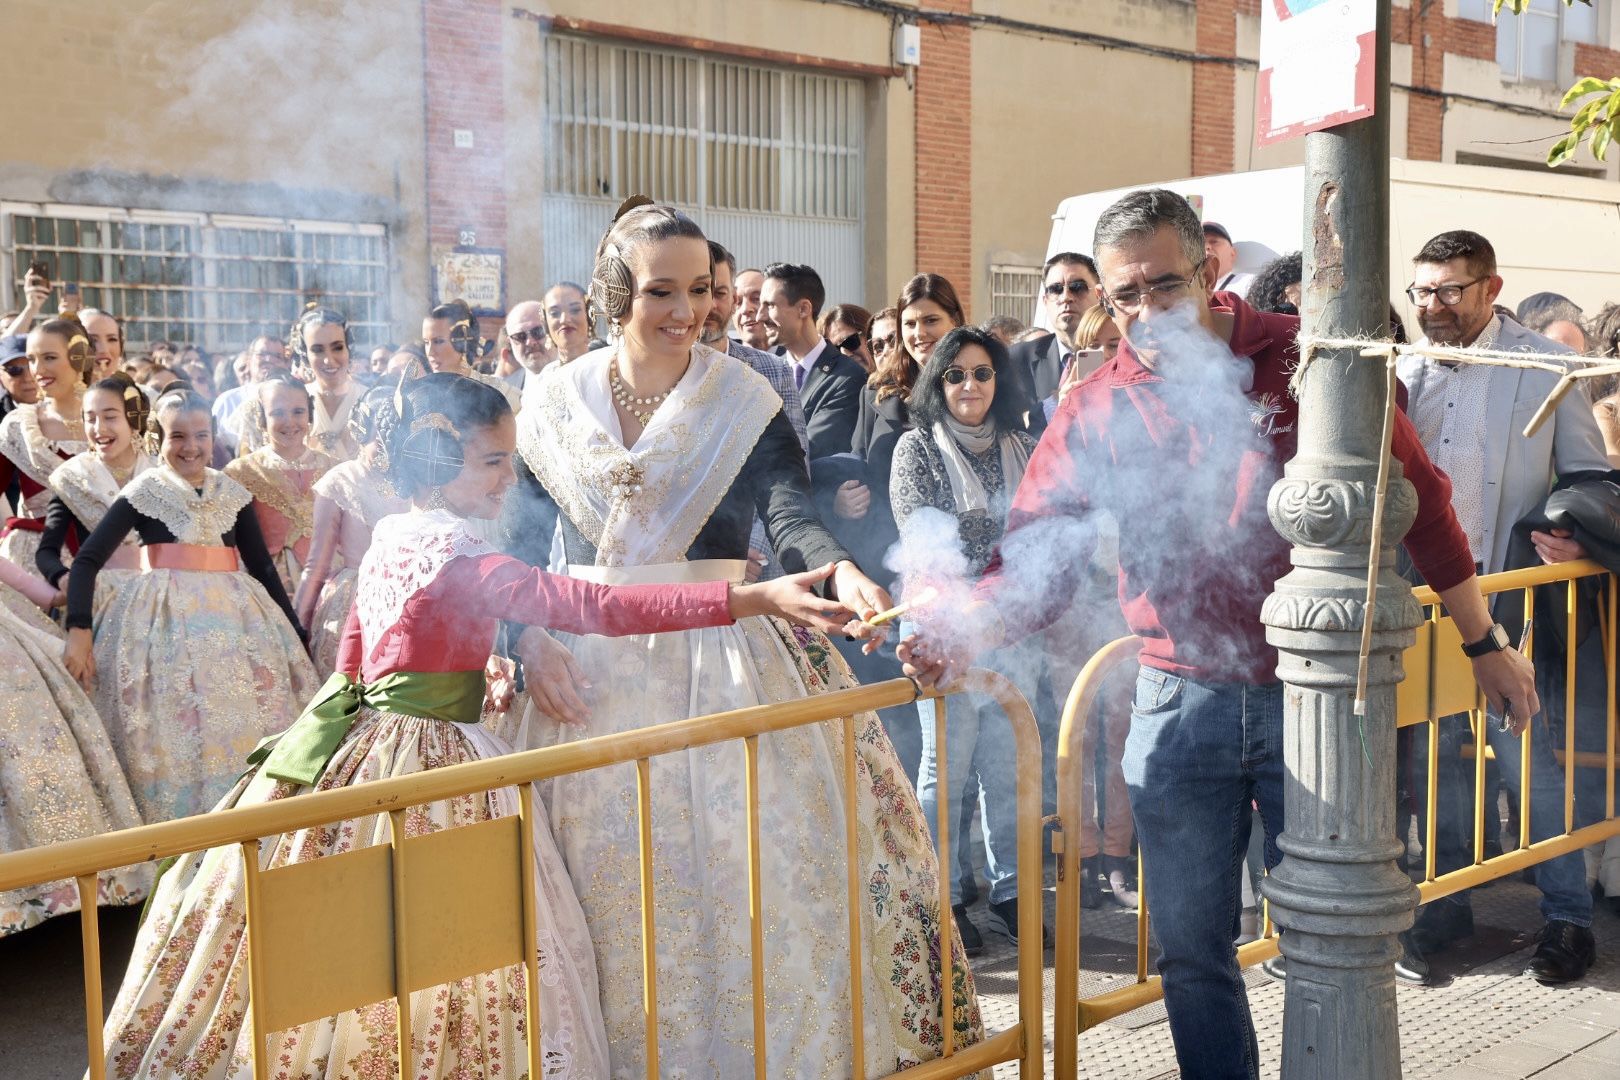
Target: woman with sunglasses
x=964 y=459
x=846 y=326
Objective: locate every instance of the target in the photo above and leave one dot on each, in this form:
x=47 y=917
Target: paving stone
x=1515 y=1059
x=1578 y=1068
x=1467 y=1072
x=1605 y=1050
x=1565 y=1034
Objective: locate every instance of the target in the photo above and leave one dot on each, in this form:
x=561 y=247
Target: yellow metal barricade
x=1439 y=682
x=402 y=900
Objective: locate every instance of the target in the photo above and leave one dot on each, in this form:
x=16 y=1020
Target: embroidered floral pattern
x=87 y=487
x=194 y=517
x=24 y=442
x=407 y=552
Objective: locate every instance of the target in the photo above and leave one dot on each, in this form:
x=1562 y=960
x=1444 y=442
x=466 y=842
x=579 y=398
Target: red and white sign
x=1316 y=66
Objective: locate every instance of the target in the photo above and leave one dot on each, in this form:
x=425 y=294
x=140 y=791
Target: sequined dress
x=59 y=777
x=678 y=505
x=428 y=600
x=196 y=660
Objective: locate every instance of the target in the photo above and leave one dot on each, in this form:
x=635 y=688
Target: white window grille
x=769 y=161
x=1527 y=43
x=1015 y=291
x=213 y=280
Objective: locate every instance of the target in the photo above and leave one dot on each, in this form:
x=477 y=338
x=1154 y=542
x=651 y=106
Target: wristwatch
x=1495 y=640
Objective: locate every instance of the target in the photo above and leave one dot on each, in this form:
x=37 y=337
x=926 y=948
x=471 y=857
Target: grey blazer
x=1520 y=472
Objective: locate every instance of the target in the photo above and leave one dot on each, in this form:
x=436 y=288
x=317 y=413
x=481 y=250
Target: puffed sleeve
x=510 y=589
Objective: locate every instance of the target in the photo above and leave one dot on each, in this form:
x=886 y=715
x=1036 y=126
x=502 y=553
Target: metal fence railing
x=1439 y=683
x=388 y=890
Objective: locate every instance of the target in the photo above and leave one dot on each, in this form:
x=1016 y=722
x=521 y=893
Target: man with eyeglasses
x=1180 y=437
x=528 y=346
x=1470 y=418
x=1068 y=291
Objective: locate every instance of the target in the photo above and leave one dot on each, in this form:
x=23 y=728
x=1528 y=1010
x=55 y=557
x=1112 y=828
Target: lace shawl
x=408 y=552
x=25 y=443
x=87 y=487
x=193 y=517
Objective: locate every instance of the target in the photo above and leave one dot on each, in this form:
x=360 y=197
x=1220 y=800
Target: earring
x=614 y=328
x=435 y=500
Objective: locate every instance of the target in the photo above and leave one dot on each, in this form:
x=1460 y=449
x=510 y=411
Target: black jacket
x=832 y=399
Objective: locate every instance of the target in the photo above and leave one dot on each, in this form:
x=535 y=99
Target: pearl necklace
x=642 y=408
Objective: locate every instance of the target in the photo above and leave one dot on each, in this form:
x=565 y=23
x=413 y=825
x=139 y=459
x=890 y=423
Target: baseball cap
x=12 y=347
x=1218 y=229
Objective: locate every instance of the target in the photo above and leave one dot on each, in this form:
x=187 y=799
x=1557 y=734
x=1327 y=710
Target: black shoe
x=1410 y=967
x=1565 y=952
x=1276 y=967
x=1439 y=925
x=1090 y=888
x=970 y=890
x=966 y=932
x=1004 y=917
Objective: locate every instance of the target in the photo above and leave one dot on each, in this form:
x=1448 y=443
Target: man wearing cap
x=1219 y=249
x=17 y=386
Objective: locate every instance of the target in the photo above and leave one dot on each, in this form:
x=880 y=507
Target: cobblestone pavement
x=1484 y=1020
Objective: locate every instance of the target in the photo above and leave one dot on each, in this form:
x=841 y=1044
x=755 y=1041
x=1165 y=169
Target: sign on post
x=1316 y=66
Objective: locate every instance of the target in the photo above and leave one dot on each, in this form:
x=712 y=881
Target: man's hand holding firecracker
x=942 y=651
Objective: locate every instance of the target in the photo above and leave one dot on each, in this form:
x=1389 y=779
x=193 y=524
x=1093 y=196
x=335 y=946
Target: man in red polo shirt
x=1179 y=438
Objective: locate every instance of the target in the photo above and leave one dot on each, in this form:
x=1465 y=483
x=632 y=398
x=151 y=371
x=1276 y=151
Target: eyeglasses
x=851 y=344
x=1131 y=300
x=523 y=337
x=955 y=376
x=883 y=344
x=15 y=370
x=1448 y=295
x=1075 y=287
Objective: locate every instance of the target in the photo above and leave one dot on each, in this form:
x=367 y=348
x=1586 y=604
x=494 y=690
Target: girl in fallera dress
x=281 y=473
x=59 y=778
x=349 y=501
x=407 y=698
x=659 y=451
x=115 y=414
x=35 y=439
x=321 y=341
x=194 y=662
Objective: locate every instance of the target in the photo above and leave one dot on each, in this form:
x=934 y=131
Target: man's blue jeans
x=1562 y=881
x=1198 y=757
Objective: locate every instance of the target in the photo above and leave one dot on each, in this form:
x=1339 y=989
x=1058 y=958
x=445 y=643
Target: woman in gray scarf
x=953 y=479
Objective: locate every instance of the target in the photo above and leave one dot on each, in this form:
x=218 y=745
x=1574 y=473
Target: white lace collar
x=25 y=443
x=87 y=486
x=408 y=552
x=194 y=517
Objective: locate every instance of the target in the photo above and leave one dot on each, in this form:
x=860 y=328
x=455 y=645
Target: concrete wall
x=292 y=109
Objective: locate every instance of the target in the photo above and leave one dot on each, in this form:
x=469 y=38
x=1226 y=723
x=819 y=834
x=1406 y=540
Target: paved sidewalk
x=1484 y=1020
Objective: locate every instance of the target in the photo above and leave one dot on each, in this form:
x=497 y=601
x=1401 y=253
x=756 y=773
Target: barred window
x=1014 y=291
x=208 y=279
x=769 y=161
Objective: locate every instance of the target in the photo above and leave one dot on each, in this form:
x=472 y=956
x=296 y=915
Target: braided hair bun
x=429 y=420
x=639 y=221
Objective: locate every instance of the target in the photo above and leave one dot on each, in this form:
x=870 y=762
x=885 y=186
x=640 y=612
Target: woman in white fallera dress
x=658 y=451
x=406 y=699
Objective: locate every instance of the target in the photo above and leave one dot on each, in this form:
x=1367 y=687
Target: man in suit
x=829 y=382
x=1470 y=418
x=1068 y=291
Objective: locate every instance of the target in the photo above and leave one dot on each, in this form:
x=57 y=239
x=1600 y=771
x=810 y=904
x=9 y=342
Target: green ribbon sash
x=300 y=753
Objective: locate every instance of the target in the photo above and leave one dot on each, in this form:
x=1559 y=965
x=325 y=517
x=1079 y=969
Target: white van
x=1551 y=232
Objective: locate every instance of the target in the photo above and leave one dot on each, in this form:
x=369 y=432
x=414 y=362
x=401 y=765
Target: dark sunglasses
x=16 y=369
x=851 y=344
x=1077 y=287
x=523 y=337
x=883 y=344
x=955 y=376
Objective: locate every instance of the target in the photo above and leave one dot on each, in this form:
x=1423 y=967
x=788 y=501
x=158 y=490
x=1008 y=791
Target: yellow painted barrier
x=399 y=946
x=1439 y=682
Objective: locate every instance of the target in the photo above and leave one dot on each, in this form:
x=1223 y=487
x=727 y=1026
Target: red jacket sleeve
x=1436 y=541
x=1033 y=575
x=349 y=651
x=511 y=589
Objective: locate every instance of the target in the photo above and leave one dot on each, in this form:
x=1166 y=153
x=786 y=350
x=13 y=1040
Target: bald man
x=528 y=345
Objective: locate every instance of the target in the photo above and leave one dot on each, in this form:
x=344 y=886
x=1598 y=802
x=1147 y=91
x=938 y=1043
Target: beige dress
x=35 y=457
x=87 y=487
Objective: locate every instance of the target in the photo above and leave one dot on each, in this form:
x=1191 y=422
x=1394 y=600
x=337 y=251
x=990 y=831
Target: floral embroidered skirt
x=326 y=625
x=700 y=866
x=59 y=778
x=19 y=546
x=193 y=668
x=182 y=1008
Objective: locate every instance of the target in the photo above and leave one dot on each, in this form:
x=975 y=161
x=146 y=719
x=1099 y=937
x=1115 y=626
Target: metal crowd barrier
x=389 y=894
x=1439 y=682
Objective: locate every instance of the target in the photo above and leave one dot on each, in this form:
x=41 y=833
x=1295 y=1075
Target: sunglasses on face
x=1076 y=287
x=17 y=369
x=883 y=344
x=851 y=344
x=524 y=337
x=957 y=376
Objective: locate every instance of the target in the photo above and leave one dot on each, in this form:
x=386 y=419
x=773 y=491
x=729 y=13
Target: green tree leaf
x=1602 y=135
x=1585 y=86
x=1563 y=150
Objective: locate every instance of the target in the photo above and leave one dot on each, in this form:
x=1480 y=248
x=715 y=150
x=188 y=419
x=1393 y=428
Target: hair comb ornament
x=438 y=422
